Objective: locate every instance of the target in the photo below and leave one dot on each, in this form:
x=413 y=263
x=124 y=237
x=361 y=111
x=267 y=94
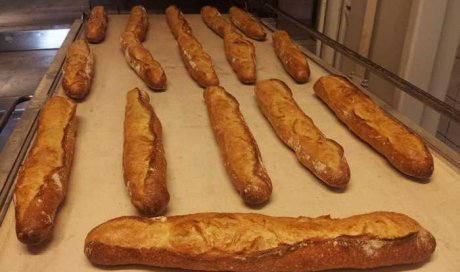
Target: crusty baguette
x=142 y=62
x=144 y=162
x=322 y=156
x=42 y=180
x=138 y=22
x=254 y=242
x=197 y=62
x=293 y=60
x=214 y=20
x=238 y=147
x=246 y=24
x=96 y=25
x=176 y=21
x=241 y=55
x=78 y=70
x=405 y=150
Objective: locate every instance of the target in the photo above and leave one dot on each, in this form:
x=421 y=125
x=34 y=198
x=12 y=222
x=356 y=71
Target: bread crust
x=144 y=162
x=255 y=242
x=241 y=55
x=96 y=25
x=293 y=60
x=42 y=181
x=403 y=148
x=138 y=22
x=197 y=62
x=78 y=70
x=214 y=20
x=247 y=24
x=237 y=146
x=322 y=156
x=176 y=21
x=142 y=62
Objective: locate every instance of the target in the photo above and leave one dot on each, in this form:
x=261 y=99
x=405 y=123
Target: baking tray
x=197 y=179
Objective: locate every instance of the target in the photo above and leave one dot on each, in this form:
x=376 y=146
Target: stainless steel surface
x=12 y=154
x=32 y=39
x=9 y=110
x=22 y=71
x=398 y=82
x=22 y=13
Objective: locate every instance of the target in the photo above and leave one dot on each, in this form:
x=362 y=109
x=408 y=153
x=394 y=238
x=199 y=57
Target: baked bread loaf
x=96 y=25
x=78 y=70
x=246 y=24
x=405 y=150
x=197 y=62
x=255 y=242
x=214 y=20
x=138 y=22
x=293 y=60
x=241 y=55
x=42 y=180
x=322 y=156
x=144 y=162
x=237 y=146
x=176 y=21
x=142 y=62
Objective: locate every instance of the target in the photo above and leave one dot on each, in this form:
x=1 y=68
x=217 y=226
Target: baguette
x=96 y=25
x=404 y=149
x=246 y=24
x=254 y=242
x=238 y=147
x=197 y=62
x=293 y=60
x=78 y=70
x=214 y=20
x=322 y=156
x=138 y=22
x=176 y=21
x=142 y=62
x=144 y=162
x=42 y=181
x=241 y=55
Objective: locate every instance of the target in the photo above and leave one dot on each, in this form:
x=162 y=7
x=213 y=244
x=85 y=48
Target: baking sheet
x=197 y=180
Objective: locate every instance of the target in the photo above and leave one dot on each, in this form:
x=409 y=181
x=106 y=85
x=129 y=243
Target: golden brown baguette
x=197 y=62
x=144 y=162
x=176 y=21
x=142 y=62
x=322 y=156
x=78 y=70
x=42 y=181
x=293 y=60
x=248 y=25
x=405 y=150
x=237 y=146
x=214 y=20
x=241 y=55
x=138 y=22
x=96 y=25
x=255 y=242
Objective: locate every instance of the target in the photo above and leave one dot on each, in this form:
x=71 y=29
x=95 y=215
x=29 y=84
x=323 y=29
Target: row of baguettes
x=197 y=62
x=137 y=56
x=239 y=52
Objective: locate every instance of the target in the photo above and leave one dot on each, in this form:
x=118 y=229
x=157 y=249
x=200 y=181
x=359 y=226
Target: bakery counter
x=196 y=176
